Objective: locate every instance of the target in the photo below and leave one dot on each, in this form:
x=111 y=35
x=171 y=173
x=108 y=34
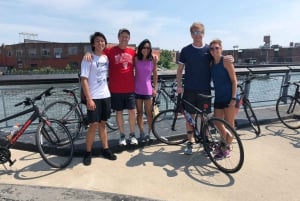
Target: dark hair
x=123 y=30
x=139 y=50
x=92 y=39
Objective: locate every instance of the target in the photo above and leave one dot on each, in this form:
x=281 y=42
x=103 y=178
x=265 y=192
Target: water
x=11 y=95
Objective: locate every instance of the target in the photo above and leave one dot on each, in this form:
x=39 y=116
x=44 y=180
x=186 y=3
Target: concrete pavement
x=159 y=172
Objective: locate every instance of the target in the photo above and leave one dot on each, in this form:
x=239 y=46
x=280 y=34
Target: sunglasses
x=214 y=48
x=197 y=33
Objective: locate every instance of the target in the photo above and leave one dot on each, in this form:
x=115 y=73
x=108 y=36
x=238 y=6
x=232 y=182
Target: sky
x=165 y=23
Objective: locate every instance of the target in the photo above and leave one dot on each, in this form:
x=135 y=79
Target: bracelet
x=233 y=98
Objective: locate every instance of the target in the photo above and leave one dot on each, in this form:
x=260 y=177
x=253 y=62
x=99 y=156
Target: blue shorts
x=122 y=101
x=221 y=105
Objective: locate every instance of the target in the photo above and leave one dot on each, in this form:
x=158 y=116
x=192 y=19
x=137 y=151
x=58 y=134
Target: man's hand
x=88 y=56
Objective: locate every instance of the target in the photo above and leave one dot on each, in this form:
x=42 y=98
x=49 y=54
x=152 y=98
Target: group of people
x=130 y=85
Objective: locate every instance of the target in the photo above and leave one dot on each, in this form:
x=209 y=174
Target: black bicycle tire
x=162 y=125
x=59 y=151
x=284 y=120
x=78 y=119
x=211 y=141
x=111 y=122
x=251 y=118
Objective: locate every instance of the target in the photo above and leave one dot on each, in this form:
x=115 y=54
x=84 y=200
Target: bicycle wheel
x=251 y=116
x=169 y=127
x=111 y=122
x=288 y=111
x=162 y=101
x=55 y=143
x=227 y=154
x=67 y=114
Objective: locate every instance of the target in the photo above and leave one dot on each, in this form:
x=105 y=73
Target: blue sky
x=166 y=23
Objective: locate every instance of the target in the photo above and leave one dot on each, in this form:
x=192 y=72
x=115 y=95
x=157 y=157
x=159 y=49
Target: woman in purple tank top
x=145 y=87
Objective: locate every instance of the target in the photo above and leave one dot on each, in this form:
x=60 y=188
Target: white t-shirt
x=97 y=73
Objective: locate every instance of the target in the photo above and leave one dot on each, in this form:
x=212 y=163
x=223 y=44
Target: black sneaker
x=87 y=159
x=106 y=153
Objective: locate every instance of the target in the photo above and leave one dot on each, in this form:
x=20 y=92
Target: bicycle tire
x=163 y=130
x=288 y=111
x=54 y=143
x=251 y=117
x=111 y=122
x=67 y=114
x=214 y=142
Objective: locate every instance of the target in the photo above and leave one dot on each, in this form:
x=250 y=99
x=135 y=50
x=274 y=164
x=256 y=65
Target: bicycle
x=72 y=115
x=169 y=127
x=288 y=107
x=242 y=99
x=165 y=94
x=52 y=138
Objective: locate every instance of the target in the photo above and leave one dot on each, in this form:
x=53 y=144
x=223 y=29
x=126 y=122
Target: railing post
x=286 y=78
x=4 y=108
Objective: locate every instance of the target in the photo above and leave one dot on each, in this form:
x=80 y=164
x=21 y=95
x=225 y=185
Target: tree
x=165 y=59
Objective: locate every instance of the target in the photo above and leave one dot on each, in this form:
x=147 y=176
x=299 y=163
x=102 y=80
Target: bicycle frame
x=28 y=122
x=203 y=114
x=76 y=106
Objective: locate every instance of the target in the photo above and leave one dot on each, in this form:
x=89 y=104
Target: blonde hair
x=197 y=25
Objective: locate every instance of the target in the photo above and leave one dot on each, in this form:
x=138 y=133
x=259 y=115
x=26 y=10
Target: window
x=9 y=53
x=45 y=52
x=72 y=50
x=32 y=52
x=87 y=48
x=19 y=53
x=57 y=52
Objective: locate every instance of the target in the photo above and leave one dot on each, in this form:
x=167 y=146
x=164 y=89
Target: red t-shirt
x=121 y=69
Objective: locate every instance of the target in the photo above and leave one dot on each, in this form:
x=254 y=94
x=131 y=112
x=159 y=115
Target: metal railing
x=262 y=91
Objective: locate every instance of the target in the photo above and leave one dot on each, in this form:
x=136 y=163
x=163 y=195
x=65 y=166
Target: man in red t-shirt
x=121 y=84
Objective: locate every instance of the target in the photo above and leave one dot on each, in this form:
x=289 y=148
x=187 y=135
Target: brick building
x=34 y=54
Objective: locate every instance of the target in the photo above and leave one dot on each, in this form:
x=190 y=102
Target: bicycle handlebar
x=247 y=81
x=29 y=101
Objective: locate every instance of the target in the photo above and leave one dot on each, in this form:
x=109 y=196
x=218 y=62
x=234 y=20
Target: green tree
x=165 y=59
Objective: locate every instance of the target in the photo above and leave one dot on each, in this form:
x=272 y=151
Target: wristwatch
x=233 y=98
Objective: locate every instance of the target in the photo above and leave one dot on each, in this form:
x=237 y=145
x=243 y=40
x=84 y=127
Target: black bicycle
x=52 y=138
x=72 y=115
x=169 y=127
x=166 y=93
x=242 y=99
x=288 y=107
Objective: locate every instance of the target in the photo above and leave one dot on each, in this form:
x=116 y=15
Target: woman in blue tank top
x=225 y=84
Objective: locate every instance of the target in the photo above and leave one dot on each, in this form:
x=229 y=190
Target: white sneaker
x=133 y=140
x=122 y=141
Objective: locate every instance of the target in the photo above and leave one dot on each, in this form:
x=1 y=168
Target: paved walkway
x=158 y=172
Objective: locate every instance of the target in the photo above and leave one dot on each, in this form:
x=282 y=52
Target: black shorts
x=122 y=101
x=221 y=105
x=143 y=97
x=102 y=111
x=196 y=100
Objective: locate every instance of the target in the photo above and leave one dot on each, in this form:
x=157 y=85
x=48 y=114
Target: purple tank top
x=143 y=73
